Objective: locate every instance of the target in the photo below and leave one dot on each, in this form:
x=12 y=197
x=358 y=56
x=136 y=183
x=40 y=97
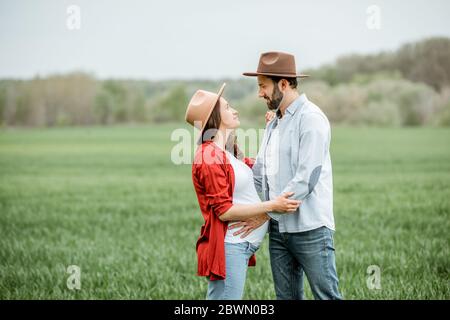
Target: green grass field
x=110 y=201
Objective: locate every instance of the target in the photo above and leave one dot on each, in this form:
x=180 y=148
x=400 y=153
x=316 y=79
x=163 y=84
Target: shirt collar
x=297 y=104
x=293 y=107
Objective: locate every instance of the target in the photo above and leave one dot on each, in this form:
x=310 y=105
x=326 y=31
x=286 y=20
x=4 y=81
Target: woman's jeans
x=232 y=288
x=310 y=252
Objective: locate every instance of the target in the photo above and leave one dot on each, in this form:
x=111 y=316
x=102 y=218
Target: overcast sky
x=201 y=38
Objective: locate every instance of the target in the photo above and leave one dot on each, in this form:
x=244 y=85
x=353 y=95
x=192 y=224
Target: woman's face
x=229 y=116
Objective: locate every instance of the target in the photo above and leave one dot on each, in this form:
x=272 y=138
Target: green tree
x=172 y=106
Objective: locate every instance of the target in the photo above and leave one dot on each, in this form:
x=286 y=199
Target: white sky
x=201 y=38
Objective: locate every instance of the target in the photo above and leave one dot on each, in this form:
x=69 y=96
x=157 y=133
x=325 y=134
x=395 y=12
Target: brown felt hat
x=279 y=64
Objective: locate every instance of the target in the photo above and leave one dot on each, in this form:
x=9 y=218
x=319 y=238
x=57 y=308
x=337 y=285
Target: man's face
x=270 y=92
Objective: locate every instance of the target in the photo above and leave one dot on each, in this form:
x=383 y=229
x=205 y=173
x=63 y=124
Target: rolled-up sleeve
x=216 y=186
x=314 y=141
x=249 y=162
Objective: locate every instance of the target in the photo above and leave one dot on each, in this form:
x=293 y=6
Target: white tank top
x=244 y=193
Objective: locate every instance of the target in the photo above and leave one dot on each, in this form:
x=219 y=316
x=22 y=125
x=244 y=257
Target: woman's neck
x=221 y=138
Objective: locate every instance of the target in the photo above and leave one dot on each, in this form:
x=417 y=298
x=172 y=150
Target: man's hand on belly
x=249 y=225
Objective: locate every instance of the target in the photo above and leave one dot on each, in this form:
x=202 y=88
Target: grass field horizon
x=109 y=200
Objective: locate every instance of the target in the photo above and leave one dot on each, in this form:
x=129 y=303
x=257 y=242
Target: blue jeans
x=310 y=252
x=232 y=288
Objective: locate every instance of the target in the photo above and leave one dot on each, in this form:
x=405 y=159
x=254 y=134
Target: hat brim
x=255 y=74
x=219 y=94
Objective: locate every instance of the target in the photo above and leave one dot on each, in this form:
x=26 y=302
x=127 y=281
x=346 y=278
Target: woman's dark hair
x=210 y=131
x=293 y=83
x=212 y=125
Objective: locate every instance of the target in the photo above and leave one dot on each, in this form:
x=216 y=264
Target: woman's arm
x=245 y=211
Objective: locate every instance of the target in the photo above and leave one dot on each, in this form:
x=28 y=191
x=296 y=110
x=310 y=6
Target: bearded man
x=295 y=157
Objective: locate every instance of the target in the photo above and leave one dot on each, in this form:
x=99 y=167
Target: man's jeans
x=232 y=288
x=311 y=252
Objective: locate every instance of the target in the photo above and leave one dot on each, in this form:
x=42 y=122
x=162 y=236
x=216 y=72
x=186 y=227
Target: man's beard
x=275 y=100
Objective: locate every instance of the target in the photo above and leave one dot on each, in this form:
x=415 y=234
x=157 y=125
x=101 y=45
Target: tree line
x=406 y=87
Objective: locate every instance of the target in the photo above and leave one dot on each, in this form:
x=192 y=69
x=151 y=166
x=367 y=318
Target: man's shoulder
x=312 y=114
x=311 y=108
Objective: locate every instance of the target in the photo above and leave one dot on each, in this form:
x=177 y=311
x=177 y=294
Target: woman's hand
x=284 y=205
x=269 y=116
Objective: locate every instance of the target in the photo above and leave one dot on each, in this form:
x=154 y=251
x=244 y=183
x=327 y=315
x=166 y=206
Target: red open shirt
x=213 y=178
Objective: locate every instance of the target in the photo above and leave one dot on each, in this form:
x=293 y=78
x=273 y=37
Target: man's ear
x=282 y=84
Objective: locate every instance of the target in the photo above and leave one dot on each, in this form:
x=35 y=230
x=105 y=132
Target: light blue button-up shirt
x=304 y=166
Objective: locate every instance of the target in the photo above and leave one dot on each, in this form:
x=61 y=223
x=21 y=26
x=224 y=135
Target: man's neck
x=287 y=101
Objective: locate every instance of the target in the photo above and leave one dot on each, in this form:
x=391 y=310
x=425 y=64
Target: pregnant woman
x=226 y=193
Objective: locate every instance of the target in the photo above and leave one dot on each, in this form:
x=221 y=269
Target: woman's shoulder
x=208 y=153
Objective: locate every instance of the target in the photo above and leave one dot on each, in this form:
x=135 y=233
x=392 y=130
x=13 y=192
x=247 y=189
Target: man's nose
x=261 y=94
